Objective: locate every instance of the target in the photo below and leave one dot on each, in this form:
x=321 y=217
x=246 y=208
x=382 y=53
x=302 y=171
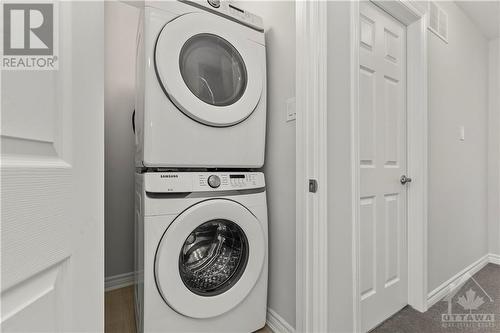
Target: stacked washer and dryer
x=201 y=212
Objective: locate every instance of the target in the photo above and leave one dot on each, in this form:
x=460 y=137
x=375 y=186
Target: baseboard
x=119 y=281
x=277 y=324
x=494 y=258
x=456 y=281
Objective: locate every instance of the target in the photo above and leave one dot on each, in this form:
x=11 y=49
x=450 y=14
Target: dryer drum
x=213 y=257
x=213 y=69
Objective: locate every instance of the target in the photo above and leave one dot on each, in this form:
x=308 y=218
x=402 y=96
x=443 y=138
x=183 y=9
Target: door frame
x=311 y=158
x=415 y=18
x=311 y=300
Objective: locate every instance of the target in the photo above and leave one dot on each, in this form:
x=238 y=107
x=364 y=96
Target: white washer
x=201 y=86
x=201 y=252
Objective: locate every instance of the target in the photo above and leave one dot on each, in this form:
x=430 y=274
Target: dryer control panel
x=183 y=182
x=231 y=11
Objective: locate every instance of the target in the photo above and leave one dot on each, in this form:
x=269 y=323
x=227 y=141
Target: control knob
x=214 y=3
x=214 y=181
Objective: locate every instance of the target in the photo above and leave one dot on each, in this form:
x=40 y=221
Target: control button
x=214 y=181
x=214 y=3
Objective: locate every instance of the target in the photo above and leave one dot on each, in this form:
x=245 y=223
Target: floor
x=119 y=312
x=478 y=296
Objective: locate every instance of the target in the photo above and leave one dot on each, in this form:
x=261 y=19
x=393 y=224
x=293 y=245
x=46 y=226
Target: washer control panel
x=182 y=182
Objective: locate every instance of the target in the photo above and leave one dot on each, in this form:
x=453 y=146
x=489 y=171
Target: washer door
x=211 y=75
x=209 y=258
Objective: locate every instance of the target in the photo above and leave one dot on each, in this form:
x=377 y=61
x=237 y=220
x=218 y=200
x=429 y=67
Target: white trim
x=277 y=324
x=494 y=258
x=311 y=163
x=417 y=112
x=354 y=27
x=456 y=281
x=415 y=18
x=404 y=11
x=119 y=281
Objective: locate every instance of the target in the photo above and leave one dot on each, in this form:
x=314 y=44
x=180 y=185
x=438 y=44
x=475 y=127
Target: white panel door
x=382 y=140
x=52 y=275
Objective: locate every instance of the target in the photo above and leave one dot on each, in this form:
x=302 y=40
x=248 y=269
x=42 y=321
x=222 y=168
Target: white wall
x=279 y=168
x=120 y=31
x=494 y=148
x=458 y=86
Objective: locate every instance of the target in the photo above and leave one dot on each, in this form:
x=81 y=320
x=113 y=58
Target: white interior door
x=52 y=184
x=382 y=140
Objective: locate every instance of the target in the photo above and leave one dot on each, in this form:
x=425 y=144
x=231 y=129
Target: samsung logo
x=169 y=176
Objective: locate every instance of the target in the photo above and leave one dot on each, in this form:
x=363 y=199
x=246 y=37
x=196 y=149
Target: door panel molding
x=35 y=290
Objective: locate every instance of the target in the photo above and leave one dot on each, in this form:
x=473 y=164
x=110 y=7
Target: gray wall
x=120 y=31
x=458 y=88
x=494 y=148
x=279 y=21
x=340 y=254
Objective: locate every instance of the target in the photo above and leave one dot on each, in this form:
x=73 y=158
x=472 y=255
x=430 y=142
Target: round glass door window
x=213 y=257
x=213 y=69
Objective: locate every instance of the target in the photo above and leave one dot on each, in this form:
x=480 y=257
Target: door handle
x=404 y=179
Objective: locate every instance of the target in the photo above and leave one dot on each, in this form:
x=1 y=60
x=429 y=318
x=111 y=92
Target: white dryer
x=201 y=252
x=201 y=86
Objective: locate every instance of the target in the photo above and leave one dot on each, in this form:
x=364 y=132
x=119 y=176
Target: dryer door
x=209 y=258
x=209 y=71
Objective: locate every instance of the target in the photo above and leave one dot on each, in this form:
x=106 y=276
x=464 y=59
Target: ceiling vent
x=438 y=21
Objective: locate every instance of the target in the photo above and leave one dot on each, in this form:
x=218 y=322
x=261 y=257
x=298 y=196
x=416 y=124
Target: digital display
x=241 y=11
x=236 y=176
